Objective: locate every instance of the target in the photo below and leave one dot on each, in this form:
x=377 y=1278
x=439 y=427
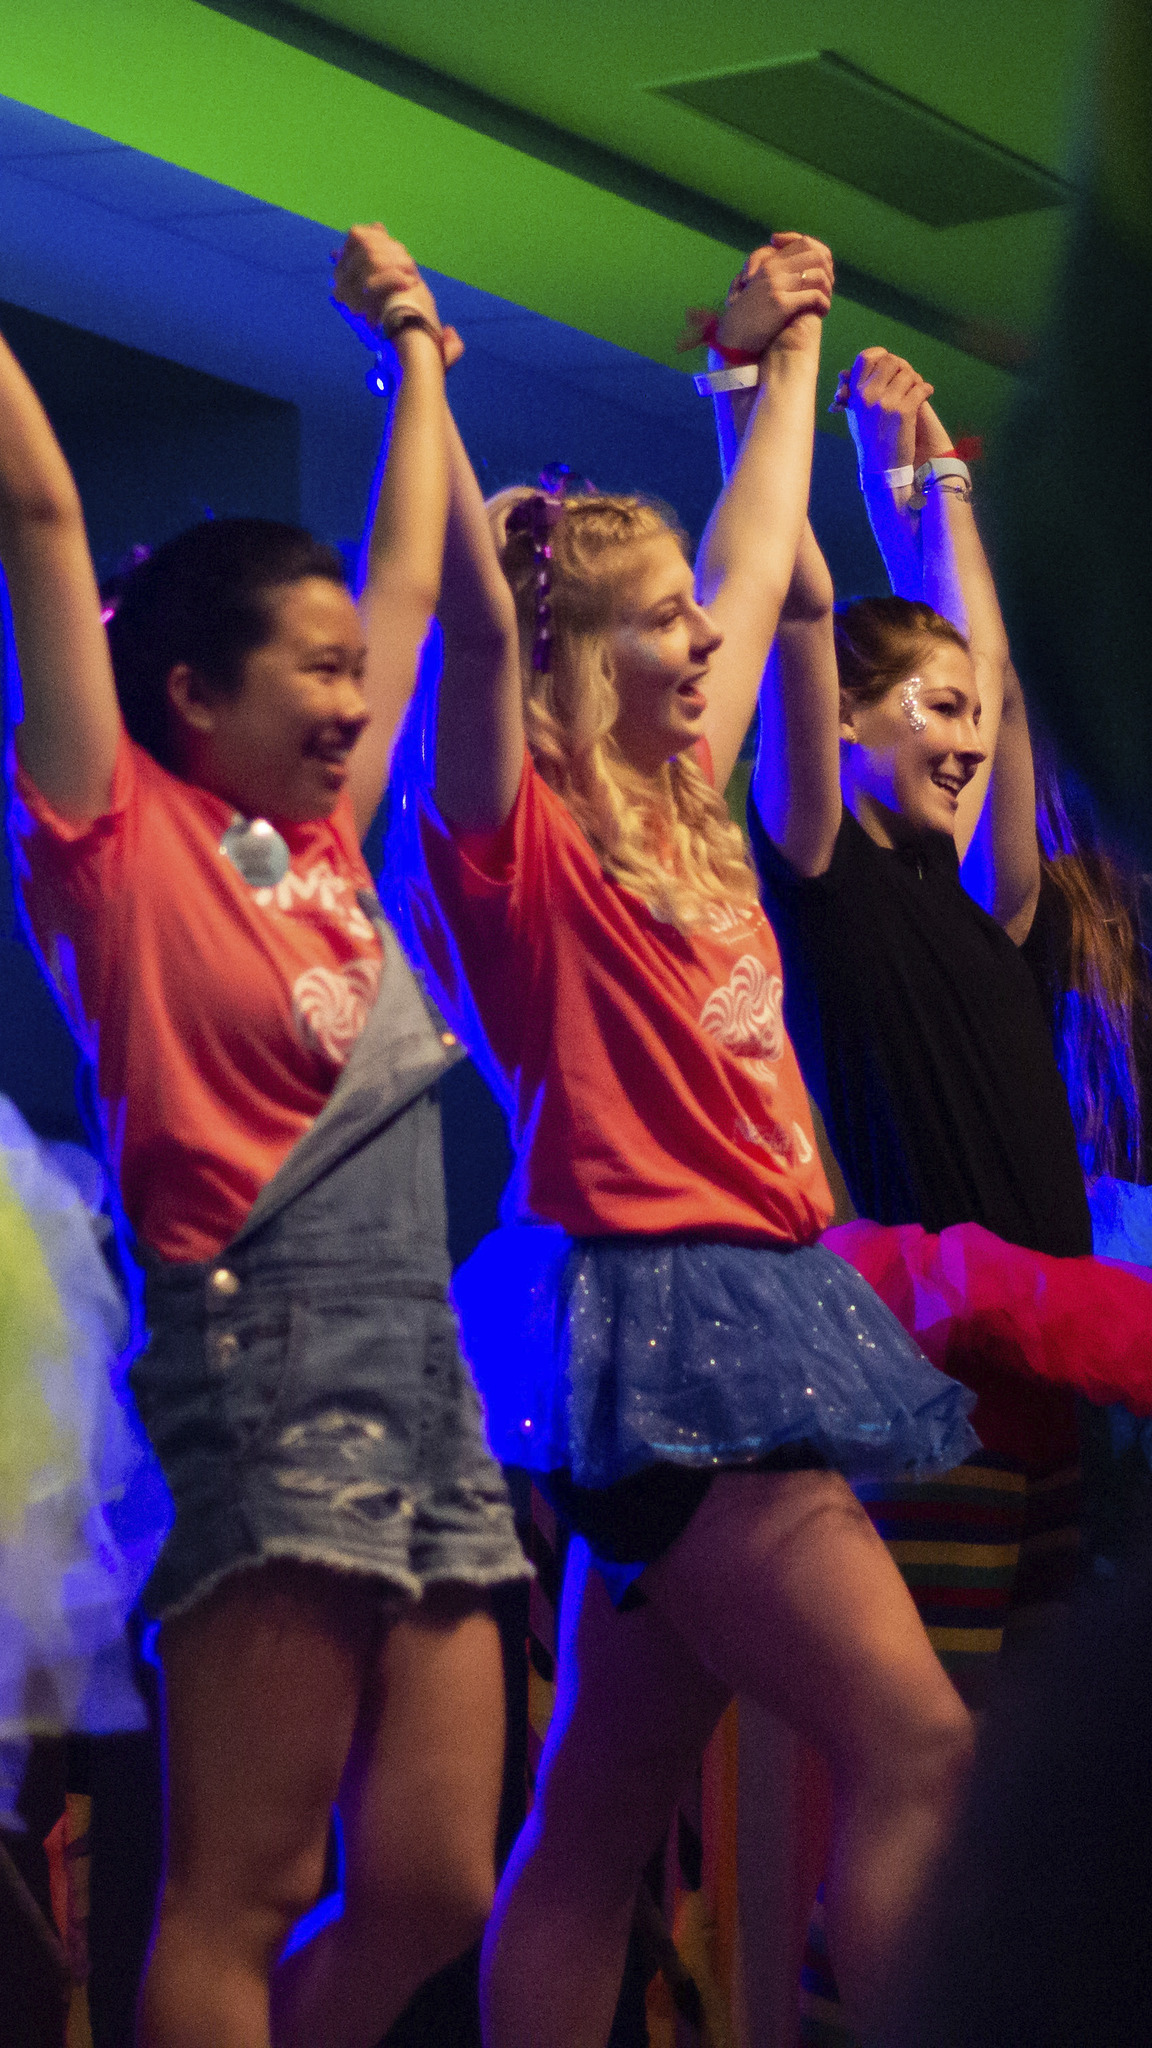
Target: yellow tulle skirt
x=82 y=1511
x=33 y=1339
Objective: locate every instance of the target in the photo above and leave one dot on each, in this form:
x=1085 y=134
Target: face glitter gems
x=256 y=851
x=910 y=703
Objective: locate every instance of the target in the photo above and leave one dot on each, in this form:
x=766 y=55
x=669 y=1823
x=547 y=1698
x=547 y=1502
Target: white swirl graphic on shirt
x=746 y=1016
x=322 y=894
x=791 y=1146
x=729 y=922
x=330 y=1006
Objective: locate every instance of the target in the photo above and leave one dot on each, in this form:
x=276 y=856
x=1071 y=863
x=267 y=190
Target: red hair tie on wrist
x=701 y=332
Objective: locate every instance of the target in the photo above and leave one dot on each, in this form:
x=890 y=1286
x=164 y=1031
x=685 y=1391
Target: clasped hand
x=889 y=416
x=376 y=279
x=783 y=291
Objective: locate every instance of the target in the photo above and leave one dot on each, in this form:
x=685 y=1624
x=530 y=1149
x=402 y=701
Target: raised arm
x=1002 y=868
x=747 y=555
x=882 y=396
x=1000 y=801
x=378 y=283
x=480 y=733
x=67 y=738
x=936 y=554
x=432 y=547
x=796 y=779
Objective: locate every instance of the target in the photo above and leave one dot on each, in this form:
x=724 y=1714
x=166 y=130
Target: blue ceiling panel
x=143 y=187
x=25 y=131
x=260 y=235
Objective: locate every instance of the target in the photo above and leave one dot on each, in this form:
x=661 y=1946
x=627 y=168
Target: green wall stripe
x=214 y=95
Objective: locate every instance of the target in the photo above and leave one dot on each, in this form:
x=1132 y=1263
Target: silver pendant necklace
x=257 y=851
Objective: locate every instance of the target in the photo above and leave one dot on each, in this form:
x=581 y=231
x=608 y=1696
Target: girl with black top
x=890 y=732
x=886 y=730
x=894 y=742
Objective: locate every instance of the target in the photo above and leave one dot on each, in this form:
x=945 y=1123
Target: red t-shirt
x=217 y=1016
x=653 y=1086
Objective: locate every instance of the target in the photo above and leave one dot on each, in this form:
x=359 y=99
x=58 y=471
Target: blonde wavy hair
x=671 y=843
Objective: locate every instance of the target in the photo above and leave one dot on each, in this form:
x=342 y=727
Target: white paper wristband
x=895 y=479
x=742 y=378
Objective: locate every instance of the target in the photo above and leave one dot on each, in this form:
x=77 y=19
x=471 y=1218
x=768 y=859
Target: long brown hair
x=1107 y=997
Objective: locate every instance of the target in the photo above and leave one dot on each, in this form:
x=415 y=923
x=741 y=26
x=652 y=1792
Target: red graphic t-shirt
x=217 y=1016
x=653 y=1086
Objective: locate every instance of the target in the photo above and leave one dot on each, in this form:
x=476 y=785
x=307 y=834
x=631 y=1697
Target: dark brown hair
x=201 y=598
x=1105 y=1005
x=879 y=639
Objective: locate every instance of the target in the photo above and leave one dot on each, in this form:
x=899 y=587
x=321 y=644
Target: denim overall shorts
x=304 y=1390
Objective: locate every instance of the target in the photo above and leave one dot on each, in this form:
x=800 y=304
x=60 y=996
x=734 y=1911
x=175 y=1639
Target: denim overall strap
x=403 y=1049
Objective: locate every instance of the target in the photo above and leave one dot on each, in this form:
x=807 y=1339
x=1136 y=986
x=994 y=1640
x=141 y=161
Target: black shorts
x=637 y=1519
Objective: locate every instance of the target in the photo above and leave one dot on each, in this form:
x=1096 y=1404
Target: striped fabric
x=977 y=1549
x=957 y=1543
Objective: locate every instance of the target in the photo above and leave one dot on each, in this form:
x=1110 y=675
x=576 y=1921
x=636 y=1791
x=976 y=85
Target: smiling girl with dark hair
x=205 y=598
x=191 y=794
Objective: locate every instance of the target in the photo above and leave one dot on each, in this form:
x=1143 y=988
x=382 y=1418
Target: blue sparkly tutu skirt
x=600 y=1356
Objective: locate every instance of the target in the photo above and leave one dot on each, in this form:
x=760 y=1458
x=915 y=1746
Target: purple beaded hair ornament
x=537 y=516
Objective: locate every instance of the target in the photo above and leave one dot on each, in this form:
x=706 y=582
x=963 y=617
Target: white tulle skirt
x=82 y=1508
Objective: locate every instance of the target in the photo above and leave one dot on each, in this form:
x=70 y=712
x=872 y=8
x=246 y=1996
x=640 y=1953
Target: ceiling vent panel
x=826 y=113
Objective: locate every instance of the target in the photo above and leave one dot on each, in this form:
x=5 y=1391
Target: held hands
x=780 y=296
x=931 y=437
x=376 y=281
x=884 y=399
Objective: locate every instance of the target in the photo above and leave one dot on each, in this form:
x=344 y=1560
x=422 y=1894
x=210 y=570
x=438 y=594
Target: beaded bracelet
x=938 y=466
x=380 y=377
x=956 y=489
x=407 y=317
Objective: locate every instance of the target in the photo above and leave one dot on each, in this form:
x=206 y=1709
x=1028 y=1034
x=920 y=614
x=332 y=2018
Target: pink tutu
x=999 y=1317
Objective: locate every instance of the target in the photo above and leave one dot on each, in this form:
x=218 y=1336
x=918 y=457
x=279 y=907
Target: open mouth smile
x=691 y=689
x=333 y=752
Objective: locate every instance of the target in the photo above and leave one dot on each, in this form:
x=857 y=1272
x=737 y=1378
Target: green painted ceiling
x=522 y=148
x=1007 y=69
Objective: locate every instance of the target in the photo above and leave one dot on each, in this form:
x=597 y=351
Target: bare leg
x=263 y=1681
x=779 y=1588
x=634 y=1709
x=419 y=1801
x=781 y=1584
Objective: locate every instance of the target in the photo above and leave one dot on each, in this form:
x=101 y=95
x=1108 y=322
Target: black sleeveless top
x=920 y=1032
